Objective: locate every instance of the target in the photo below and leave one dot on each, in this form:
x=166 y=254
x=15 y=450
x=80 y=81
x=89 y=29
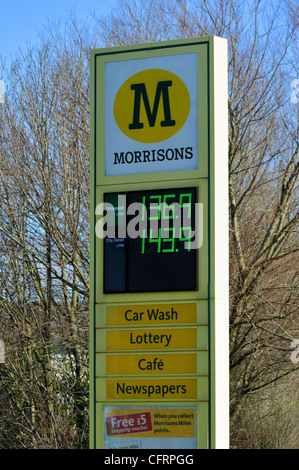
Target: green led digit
x=143 y=208
x=143 y=241
x=186 y=239
x=170 y=240
x=156 y=240
x=156 y=206
x=143 y=217
x=186 y=204
x=169 y=214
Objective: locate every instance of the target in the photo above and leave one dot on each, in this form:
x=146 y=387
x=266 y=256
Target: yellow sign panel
x=151 y=364
x=176 y=338
x=165 y=389
x=150 y=314
x=149 y=422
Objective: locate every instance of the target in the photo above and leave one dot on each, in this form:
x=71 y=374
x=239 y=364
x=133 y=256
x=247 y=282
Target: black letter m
x=140 y=91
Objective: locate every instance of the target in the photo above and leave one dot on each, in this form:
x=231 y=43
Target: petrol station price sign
x=149 y=262
x=159 y=251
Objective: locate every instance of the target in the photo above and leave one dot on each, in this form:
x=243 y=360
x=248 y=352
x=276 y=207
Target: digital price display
x=158 y=252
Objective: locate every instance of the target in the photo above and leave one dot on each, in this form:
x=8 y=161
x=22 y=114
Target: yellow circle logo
x=151 y=106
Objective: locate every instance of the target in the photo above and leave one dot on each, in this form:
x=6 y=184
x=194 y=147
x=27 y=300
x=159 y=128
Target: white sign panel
x=151 y=117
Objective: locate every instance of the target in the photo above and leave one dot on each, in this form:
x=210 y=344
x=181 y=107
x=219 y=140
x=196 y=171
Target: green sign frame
x=207 y=391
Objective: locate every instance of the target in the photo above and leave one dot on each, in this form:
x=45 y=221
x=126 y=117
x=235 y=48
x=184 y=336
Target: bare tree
x=263 y=167
x=44 y=230
x=44 y=204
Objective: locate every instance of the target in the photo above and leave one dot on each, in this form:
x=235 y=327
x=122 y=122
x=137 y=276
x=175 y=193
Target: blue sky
x=20 y=20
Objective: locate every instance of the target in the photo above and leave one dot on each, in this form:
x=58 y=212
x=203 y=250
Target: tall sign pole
x=159 y=246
